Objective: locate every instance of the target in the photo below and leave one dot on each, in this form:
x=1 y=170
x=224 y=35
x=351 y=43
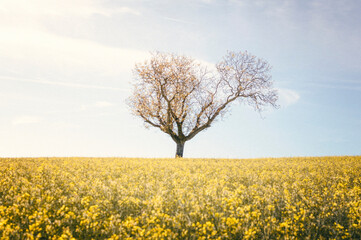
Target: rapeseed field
x=123 y=198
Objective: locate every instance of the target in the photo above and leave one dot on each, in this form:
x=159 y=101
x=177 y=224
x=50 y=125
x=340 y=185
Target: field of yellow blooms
x=123 y=198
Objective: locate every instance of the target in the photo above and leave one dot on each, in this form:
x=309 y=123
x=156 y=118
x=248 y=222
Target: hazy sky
x=66 y=68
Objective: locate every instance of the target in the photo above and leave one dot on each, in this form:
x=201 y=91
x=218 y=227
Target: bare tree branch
x=182 y=98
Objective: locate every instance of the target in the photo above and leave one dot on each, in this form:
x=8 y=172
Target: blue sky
x=66 y=70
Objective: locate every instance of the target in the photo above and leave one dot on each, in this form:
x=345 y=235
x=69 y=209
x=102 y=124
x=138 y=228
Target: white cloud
x=35 y=49
x=82 y=8
x=177 y=20
x=287 y=97
x=26 y=120
x=63 y=84
x=27 y=48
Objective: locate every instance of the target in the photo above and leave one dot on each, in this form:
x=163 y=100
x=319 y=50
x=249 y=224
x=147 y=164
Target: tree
x=181 y=97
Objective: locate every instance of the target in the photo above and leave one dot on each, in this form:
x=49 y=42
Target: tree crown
x=181 y=97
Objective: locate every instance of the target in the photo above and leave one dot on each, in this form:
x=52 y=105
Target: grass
x=120 y=198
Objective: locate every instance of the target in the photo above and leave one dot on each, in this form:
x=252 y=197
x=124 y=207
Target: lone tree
x=182 y=98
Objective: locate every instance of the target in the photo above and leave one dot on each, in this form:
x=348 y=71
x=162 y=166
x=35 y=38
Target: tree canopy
x=182 y=97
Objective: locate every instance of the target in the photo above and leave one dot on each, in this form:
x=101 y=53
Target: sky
x=66 y=72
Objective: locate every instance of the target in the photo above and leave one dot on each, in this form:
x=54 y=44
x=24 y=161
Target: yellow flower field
x=123 y=198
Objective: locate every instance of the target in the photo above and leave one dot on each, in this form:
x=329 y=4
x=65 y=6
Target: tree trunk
x=180 y=148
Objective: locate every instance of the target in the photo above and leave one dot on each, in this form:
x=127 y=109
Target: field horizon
x=179 y=158
x=180 y=198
